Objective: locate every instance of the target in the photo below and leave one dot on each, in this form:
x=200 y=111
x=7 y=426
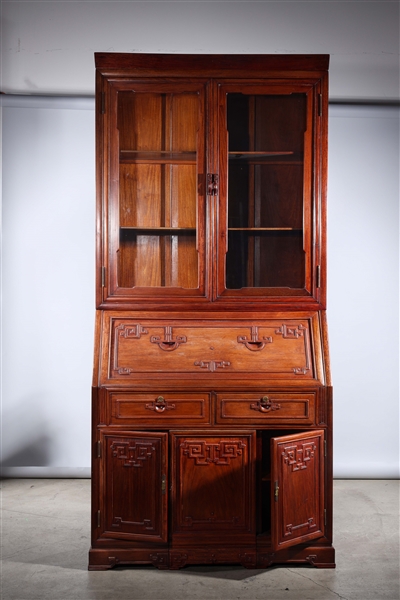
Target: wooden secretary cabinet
x=212 y=398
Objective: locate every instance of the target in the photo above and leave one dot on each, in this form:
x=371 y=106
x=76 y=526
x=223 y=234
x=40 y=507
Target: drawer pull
x=168 y=343
x=265 y=405
x=160 y=405
x=255 y=344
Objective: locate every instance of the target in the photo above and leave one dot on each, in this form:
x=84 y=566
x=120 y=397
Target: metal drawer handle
x=160 y=405
x=265 y=405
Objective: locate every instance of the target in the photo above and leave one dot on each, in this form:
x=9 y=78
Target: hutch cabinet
x=212 y=397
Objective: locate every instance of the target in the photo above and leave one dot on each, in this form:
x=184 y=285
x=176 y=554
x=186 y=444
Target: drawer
x=270 y=408
x=148 y=408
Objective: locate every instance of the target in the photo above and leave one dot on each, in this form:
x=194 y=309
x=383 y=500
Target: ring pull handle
x=265 y=405
x=160 y=404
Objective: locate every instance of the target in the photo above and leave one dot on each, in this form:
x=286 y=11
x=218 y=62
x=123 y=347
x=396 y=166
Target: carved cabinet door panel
x=134 y=486
x=298 y=488
x=213 y=482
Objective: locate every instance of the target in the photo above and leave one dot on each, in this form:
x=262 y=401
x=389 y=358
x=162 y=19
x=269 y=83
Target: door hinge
x=276 y=491
x=103 y=103
x=318 y=276
x=320 y=105
x=325 y=448
x=163 y=484
x=98 y=518
x=212 y=184
x=103 y=276
x=98 y=449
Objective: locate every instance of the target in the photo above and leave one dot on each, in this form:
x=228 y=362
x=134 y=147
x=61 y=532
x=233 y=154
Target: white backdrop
x=48 y=209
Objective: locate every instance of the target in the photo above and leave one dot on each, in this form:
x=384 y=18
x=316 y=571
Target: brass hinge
x=318 y=276
x=103 y=103
x=98 y=519
x=212 y=184
x=276 y=491
x=98 y=449
x=163 y=484
x=320 y=105
x=103 y=276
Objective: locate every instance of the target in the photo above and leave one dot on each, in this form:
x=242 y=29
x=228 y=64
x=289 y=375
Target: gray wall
x=48 y=208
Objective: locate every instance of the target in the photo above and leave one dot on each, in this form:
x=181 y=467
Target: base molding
x=322 y=557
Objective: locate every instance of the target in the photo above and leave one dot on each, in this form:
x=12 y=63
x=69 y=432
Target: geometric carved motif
x=219 y=453
x=133 y=454
x=212 y=365
x=127 y=332
x=298 y=456
x=291 y=528
x=290 y=332
x=146 y=523
x=294 y=333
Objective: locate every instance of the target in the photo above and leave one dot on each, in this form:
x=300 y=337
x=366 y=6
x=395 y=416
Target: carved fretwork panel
x=297 y=456
x=133 y=454
x=298 y=488
x=135 y=471
x=220 y=453
x=214 y=481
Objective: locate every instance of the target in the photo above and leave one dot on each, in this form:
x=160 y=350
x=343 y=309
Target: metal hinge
x=163 y=484
x=320 y=105
x=276 y=491
x=212 y=184
x=98 y=518
x=103 y=276
x=318 y=276
x=98 y=449
x=324 y=447
x=103 y=103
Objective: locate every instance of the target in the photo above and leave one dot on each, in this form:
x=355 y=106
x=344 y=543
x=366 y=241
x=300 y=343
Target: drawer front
x=269 y=408
x=152 y=408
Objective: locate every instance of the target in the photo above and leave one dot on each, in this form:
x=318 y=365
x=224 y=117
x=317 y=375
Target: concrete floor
x=45 y=539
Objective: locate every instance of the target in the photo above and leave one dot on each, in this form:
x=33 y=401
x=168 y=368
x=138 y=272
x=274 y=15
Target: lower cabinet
x=177 y=497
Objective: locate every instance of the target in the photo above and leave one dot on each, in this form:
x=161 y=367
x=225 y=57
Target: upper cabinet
x=211 y=181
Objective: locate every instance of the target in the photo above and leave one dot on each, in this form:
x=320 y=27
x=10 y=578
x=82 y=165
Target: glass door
x=265 y=200
x=157 y=210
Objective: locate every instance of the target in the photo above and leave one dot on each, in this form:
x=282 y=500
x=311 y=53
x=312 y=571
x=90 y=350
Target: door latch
x=212 y=184
x=276 y=491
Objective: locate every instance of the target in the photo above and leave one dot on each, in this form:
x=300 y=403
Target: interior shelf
x=160 y=230
x=157 y=157
x=255 y=229
x=286 y=157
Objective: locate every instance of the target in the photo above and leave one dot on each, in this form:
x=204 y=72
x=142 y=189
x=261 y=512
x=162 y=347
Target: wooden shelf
x=257 y=154
x=157 y=157
x=160 y=230
x=287 y=157
x=255 y=229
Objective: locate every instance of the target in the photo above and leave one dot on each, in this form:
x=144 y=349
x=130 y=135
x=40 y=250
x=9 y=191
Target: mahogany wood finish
x=212 y=395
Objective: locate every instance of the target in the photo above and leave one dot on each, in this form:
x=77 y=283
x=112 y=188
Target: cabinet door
x=154 y=205
x=297 y=501
x=133 y=489
x=269 y=167
x=213 y=482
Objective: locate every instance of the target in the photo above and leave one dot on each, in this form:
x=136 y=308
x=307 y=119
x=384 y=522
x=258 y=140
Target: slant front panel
x=281 y=348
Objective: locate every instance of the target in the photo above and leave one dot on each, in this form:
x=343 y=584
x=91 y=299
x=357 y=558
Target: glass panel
x=265 y=183
x=157 y=189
